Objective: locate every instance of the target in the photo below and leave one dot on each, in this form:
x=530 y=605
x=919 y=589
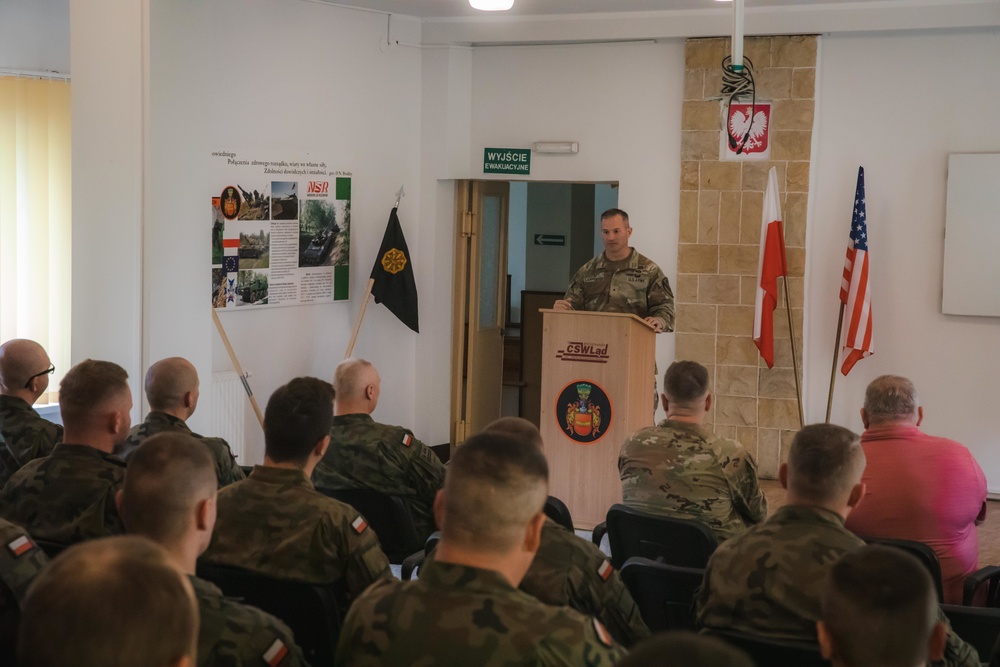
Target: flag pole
x=795 y=364
x=833 y=371
x=238 y=368
x=361 y=316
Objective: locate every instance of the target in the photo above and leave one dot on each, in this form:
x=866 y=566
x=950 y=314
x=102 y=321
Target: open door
x=480 y=288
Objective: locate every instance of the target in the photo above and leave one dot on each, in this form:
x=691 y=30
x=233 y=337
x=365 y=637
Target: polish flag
x=772 y=264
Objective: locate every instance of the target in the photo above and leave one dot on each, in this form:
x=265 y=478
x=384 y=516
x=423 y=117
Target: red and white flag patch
x=21 y=546
x=359 y=524
x=602 y=633
x=407 y=439
x=604 y=571
x=276 y=653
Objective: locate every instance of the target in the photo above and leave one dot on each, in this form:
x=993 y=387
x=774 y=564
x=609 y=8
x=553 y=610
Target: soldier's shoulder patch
x=359 y=524
x=276 y=653
x=605 y=570
x=602 y=633
x=20 y=546
x=407 y=440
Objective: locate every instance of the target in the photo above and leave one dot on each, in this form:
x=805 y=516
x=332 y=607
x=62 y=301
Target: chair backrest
x=673 y=541
x=310 y=610
x=921 y=552
x=664 y=593
x=388 y=517
x=556 y=510
x=977 y=626
x=770 y=652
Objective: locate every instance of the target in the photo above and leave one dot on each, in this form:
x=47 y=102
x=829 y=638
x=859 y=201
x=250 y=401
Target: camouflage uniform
x=237 y=635
x=770 y=579
x=685 y=471
x=458 y=615
x=27 y=435
x=226 y=469
x=632 y=285
x=20 y=561
x=67 y=497
x=570 y=571
x=364 y=454
x=276 y=523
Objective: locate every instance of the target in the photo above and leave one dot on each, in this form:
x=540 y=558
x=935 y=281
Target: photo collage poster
x=281 y=233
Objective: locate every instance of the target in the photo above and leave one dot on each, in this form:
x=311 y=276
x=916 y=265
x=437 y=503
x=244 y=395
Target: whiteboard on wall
x=972 y=236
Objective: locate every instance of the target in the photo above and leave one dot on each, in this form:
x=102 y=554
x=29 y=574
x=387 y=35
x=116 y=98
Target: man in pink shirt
x=920 y=487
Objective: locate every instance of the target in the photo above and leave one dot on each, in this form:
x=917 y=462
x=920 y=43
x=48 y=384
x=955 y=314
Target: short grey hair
x=891 y=398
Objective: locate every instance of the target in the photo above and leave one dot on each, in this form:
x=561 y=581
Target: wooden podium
x=597 y=389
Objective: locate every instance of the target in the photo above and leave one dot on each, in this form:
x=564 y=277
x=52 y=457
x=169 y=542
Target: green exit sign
x=507 y=161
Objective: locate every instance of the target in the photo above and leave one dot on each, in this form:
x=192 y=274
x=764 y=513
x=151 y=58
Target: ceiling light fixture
x=492 y=5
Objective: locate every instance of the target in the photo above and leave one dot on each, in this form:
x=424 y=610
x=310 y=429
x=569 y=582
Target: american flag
x=855 y=288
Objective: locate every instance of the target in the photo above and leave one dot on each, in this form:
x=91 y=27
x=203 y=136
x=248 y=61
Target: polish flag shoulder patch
x=276 y=653
x=602 y=633
x=605 y=570
x=407 y=439
x=359 y=524
x=21 y=546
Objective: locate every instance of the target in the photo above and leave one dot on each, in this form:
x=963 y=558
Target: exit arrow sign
x=550 y=239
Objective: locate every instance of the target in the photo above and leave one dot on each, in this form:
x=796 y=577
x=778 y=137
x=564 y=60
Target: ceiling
x=442 y=9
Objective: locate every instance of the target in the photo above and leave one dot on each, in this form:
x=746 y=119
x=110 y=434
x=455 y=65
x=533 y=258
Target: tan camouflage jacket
x=364 y=454
x=67 y=497
x=27 y=435
x=634 y=285
x=458 y=615
x=276 y=523
x=20 y=561
x=226 y=469
x=237 y=635
x=685 y=471
x=569 y=570
x=770 y=579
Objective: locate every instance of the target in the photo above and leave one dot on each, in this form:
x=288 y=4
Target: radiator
x=229 y=401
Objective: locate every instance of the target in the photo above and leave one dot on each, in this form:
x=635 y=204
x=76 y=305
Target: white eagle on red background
x=739 y=122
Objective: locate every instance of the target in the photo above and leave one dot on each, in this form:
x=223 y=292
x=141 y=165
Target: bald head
x=116 y=602
x=891 y=399
x=517 y=428
x=172 y=386
x=21 y=362
x=356 y=384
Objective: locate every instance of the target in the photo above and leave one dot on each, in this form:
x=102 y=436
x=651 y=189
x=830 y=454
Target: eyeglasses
x=48 y=371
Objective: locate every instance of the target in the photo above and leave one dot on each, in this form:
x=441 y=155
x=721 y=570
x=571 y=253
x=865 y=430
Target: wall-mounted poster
x=281 y=232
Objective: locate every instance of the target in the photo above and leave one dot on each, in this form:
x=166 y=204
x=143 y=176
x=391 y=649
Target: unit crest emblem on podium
x=584 y=410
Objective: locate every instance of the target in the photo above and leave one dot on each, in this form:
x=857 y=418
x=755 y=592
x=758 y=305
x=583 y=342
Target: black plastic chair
x=388 y=517
x=556 y=510
x=977 y=626
x=312 y=611
x=988 y=576
x=414 y=561
x=673 y=541
x=51 y=549
x=664 y=593
x=771 y=652
x=921 y=552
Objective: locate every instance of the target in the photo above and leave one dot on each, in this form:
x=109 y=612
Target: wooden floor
x=989 y=531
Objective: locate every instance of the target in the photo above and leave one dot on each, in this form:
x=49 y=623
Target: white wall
x=547 y=267
x=517 y=225
x=898 y=104
x=108 y=61
x=34 y=35
x=622 y=102
x=323 y=88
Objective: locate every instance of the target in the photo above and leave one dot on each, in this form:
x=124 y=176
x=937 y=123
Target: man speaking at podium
x=620 y=280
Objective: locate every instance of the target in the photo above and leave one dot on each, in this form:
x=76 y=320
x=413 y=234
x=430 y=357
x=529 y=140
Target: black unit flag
x=394 y=286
